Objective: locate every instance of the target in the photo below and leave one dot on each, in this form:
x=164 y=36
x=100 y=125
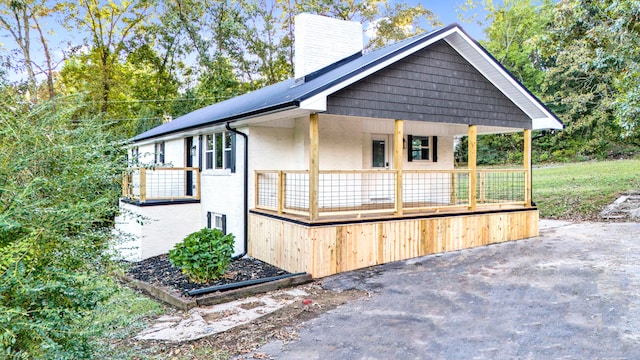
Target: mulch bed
x=159 y=271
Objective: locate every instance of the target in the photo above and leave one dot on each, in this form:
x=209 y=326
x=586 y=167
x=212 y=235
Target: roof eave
x=238 y=117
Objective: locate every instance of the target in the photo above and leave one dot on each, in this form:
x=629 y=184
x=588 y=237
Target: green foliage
x=515 y=25
x=58 y=194
x=579 y=191
x=203 y=255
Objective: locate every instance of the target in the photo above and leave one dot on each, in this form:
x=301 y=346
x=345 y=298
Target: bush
x=203 y=255
x=58 y=193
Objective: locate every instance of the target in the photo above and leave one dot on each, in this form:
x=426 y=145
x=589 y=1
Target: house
x=347 y=165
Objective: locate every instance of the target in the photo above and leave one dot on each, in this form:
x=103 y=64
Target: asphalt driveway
x=572 y=293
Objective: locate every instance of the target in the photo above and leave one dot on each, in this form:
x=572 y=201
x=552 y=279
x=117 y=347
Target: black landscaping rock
x=159 y=271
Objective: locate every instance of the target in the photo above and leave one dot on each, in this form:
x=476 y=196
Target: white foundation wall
x=147 y=231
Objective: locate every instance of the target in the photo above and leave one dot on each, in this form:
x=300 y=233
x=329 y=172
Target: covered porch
x=320 y=195
x=325 y=221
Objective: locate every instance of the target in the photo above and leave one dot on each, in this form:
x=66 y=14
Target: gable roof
x=310 y=93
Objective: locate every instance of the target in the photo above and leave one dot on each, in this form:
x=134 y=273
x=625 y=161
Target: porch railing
x=145 y=184
x=356 y=192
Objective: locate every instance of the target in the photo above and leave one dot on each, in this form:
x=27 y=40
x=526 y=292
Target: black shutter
x=410 y=147
x=208 y=219
x=232 y=159
x=200 y=152
x=435 y=149
x=224 y=224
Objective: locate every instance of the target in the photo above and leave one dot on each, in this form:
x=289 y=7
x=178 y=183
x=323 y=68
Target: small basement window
x=423 y=148
x=217 y=221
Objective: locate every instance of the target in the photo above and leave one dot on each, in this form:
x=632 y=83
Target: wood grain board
x=331 y=249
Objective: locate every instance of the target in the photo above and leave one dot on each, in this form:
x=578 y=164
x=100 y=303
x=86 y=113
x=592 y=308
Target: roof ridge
x=328 y=68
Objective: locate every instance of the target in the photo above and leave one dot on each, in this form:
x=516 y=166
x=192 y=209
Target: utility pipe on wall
x=246 y=190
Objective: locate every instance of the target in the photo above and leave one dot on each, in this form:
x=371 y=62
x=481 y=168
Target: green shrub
x=58 y=194
x=203 y=255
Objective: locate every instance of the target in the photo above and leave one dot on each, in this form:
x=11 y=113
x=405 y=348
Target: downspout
x=246 y=190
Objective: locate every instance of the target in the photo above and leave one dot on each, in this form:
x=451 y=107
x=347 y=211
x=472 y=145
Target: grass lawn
x=579 y=191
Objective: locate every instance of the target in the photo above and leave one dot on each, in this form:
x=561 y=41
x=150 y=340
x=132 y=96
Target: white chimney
x=322 y=41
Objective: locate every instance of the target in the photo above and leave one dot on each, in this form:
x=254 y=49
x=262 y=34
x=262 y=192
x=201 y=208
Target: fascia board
x=553 y=122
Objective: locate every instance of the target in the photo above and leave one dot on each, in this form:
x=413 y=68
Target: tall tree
x=19 y=18
x=591 y=55
x=111 y=28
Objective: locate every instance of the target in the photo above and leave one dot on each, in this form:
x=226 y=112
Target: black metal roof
x=285 y=94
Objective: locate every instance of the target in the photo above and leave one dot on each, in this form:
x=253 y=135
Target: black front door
x=188 y=151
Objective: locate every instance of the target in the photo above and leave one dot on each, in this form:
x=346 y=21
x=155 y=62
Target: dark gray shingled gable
x=435 y=84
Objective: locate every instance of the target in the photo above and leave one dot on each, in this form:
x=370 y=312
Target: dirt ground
x=281 y=325
x=569 y=294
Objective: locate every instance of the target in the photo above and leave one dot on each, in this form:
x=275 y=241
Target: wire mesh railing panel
x=296 y=189
x=433 y=189
x=162 y=183
x=134 y=184
x=346 y=191
x=267 y=189
x=371 y=191
x=500 y=186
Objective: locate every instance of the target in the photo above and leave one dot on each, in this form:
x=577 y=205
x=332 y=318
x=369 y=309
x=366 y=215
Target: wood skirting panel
x=331 y=249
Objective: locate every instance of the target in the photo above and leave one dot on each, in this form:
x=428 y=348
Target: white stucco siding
x=146 y=154
x=174 y=153
x=340 y=143
x=272 y=148
x=148 y=231
x=222 y=193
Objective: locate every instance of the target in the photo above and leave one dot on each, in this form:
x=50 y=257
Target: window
x=159 y=152
x=420 y=148
x=208 y=151
x=219 y=152
x=423 y=148
x=217 y=221
x=134 y=154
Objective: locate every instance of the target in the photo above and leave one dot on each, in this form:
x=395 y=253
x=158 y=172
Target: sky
x=447 y=12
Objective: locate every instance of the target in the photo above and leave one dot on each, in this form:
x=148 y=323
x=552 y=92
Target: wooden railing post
x=452 y=184
x=125 y=184
x=471 y=159
x=197 y=173
x=527 y=167
x=143 y=184
x=314 y=166
x=398 y=138
x=280 y=191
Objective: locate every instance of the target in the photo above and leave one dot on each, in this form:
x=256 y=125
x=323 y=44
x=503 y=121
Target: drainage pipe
x=239 y=284
x=246 y=190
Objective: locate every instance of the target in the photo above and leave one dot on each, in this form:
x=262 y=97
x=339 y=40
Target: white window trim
x=159 y=156
x=226 y=147
x=217 y=221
